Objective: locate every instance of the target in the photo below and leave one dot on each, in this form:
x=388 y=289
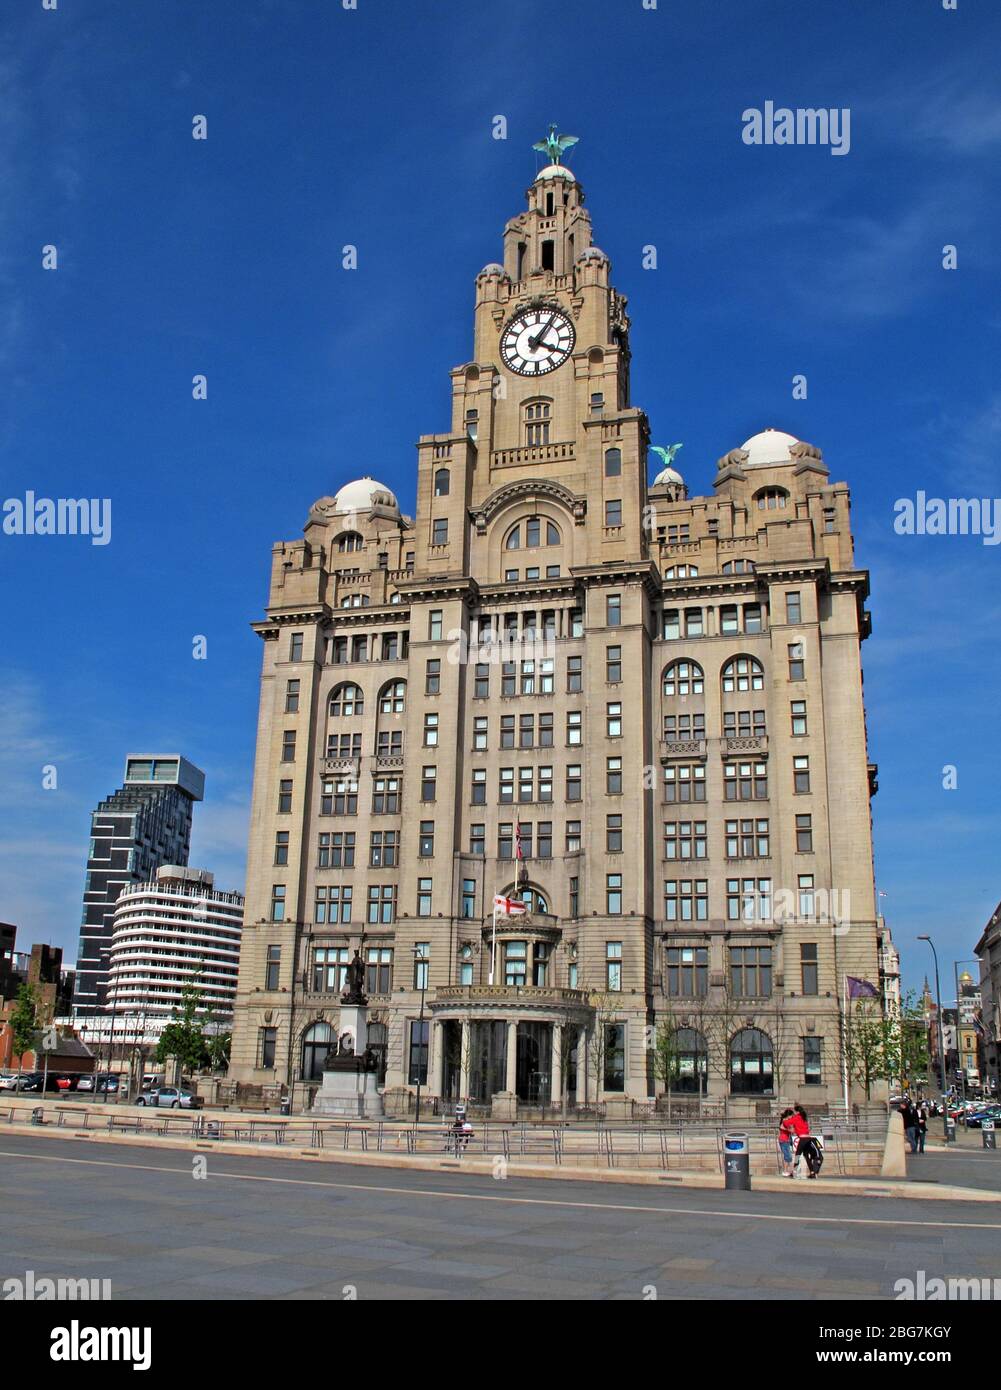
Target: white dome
x=665 y=476
x=770 y=446
x=363 y=495
x=555 y=171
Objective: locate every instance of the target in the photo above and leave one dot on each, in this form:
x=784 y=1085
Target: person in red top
x=806 y=1147
x=787 y=1140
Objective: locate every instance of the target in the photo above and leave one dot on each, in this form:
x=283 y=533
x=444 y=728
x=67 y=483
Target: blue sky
x=373 y=127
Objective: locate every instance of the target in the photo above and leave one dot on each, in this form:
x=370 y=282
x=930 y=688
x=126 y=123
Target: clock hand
x=536 y=338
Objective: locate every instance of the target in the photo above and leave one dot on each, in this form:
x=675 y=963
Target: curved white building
x=171 y=932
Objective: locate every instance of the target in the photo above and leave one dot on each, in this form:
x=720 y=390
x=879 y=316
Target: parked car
x=29 y=1081
x=991 y=1112
x=170 y=1097
x=8 y=1080
x=101 y=1081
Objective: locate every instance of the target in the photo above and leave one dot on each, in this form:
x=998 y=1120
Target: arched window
x=743 y=673
x=355 y=601
x=349 y=540
x=317 y=1041
x=684 y=678
x=770 y=498
x=346 y=701
x=393 y=698
x=739 y=567
x=537 y=417
x=535 y=528
x=691 y=1062
x=684 y=572
x=442 y=482
x=533 y=898
x=613 y=463
x=751 y=1063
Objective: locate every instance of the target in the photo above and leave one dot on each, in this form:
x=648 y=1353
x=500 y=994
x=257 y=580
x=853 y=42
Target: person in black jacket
x=907 y=1114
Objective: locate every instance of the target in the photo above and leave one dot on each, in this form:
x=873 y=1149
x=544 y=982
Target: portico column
x=464 y=1060
x=511 y=1081
x=556 y=1071
x=438 y=1053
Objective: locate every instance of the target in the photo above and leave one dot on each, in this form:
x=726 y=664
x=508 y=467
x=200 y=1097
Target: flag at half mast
x=511 y=907
x=860 y=989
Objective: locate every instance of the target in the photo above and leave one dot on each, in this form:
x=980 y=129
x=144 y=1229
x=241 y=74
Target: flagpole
x=844 y=1044
x=493 y=945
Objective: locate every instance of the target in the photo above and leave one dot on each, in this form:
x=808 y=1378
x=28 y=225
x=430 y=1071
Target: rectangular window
x=684 y=782
x=613 y=776
x=744 y=723
x=429 y=777
x=749 y=899
x=291 y=697
x=481 y=680
x=477 y=839
x=574 y=675
x=288 y=746
x=813 y=1061
x=752 y=617
x=295 y=647
x=425 y=843
x=469 y=897
x=439 y=531
x=793 y=610
x=751 y=972
x=507 y=731
x=547 y=676
x=797 y=709
x=509 y=678
x=576 y=622
x=685 y=839
x=806 y=896
x=379 y=972
x=478 y=791
x=480 y=731
x=383 y=849
x=284 y=796
x=613 y=834
x=386 y=796
x=728 y=622
x=687 y=972
x=745 y=781
x=613 y=665
x=420 y=1037
x=672 y=624
x=809 y=967
x=526 y=784
x=613 y=512
x=615 y=1057
x=278 y=902
x=746 y=839
x=389 y=743
x=574 y=911
x=693 y=622
x=267 y=1044
x=515 y=962
x=545 y=731
x=281 y=847
x=272 y=968
x=431 y=731
x=505 y=788
x=613 y=610
x=801 y=774
x=381 y=903
x=613 y=720
x=613 y=965
x=797 y=665
x=434 y=625
x=424 y=897
x=573 y=836
x=686 y=899
x=574 y=782
x=544 y=787
x=526 y=731
x=432 y=677
x=505 y=841
x=804 y=834
x=339 y=796
x=575 y=728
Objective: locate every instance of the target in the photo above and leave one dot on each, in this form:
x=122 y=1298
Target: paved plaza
x=255 y=1227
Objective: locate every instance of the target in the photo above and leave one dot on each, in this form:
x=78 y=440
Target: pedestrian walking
x=921 y=1116
x=787 y=1142
x=909 y=1119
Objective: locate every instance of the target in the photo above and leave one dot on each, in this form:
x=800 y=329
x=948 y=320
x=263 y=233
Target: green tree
x=184 y=1037
x=218 y=1047
x=666 y=1056
x=23 y=1023
x=872 y=1044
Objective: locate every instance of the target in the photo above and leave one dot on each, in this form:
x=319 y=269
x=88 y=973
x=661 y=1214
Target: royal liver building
x=633 y=713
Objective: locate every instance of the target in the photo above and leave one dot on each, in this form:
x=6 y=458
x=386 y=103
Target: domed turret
x=366 y=495
x=769 y=447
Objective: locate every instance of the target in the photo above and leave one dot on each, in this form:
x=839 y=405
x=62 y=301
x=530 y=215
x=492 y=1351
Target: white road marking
x=520 y=1201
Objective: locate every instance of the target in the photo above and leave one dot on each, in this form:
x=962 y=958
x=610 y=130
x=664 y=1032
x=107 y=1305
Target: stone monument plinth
x=349 y=1088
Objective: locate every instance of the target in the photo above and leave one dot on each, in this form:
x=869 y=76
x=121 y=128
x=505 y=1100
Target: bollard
x=737 y=1162
x=987 y=1134
x=950 y=1130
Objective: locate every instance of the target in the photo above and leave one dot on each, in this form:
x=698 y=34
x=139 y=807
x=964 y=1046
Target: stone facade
x=657 y=698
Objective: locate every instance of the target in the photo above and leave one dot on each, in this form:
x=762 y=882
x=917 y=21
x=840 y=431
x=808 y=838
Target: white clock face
x=537 y=341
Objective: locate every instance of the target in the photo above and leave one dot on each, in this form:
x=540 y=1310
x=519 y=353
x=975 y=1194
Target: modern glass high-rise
x=142 y=825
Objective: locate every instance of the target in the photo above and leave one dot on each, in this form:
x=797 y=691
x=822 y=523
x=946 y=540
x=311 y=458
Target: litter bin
x=737 y=1162
x=950 y=1130
x=989 y=1136
x=286 y=1106
x=38 y=1115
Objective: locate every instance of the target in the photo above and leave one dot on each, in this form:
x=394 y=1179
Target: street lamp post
x=420 y=960
x=941 y=1038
